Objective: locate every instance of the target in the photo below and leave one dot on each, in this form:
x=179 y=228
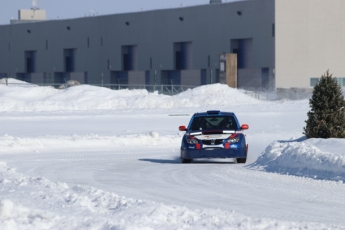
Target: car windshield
x=214 y=122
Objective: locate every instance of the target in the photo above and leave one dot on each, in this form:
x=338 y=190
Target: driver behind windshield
x=217 y=122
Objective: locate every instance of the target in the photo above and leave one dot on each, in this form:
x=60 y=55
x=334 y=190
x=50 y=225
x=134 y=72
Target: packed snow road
x=155 y=174
x=141 y=160
x=119 y=168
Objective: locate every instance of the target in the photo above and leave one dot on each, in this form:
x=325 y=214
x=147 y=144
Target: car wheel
x=241 y=160
x=186 y=161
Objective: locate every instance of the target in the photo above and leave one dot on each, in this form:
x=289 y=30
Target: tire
x=241 y=160
x=186 y=161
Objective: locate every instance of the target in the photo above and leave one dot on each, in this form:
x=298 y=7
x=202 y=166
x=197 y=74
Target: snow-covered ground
x=92 y=158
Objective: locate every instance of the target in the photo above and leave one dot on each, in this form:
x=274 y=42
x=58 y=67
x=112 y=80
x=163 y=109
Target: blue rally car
x=214 y=134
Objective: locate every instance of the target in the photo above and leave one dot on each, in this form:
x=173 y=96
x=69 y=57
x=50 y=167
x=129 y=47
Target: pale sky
x=66 y=9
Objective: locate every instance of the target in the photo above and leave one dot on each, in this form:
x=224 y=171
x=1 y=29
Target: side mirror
x=245 y=126
x=182 y=128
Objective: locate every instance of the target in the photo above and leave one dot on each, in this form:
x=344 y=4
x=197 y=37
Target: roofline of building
x=126 y=13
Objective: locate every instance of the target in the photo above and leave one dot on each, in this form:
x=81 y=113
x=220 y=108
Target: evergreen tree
x=326 y=119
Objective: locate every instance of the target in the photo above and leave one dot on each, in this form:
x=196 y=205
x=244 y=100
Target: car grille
x=210 y=142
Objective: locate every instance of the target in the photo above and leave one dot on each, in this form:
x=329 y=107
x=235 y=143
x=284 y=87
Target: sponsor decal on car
x=234 y=146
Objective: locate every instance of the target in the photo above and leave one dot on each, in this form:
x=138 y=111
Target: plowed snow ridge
x=9 y=143
x=315 y=158
x=86 y=97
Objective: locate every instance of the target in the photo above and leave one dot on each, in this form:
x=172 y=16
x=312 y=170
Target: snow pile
x=9 y=143
x=58 y=206
x=86 y=97
x=314 y=158
x=13 y=82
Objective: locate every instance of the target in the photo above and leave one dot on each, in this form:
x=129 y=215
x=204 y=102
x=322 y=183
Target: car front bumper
x=213 y=153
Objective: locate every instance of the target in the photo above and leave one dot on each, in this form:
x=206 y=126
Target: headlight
x=192 y=140
x=233 y=138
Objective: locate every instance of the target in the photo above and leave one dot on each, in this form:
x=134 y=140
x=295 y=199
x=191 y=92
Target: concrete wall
x=99 y=40
x=32 y=14
x=310 y=38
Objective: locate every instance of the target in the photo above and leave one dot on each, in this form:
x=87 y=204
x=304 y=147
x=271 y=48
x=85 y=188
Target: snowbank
x=49 y=205
x=86 y=97
x=314 y=158
x=13 y=81
x=10 y=143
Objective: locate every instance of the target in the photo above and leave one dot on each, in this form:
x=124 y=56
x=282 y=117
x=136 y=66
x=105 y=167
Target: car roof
x=213 y=113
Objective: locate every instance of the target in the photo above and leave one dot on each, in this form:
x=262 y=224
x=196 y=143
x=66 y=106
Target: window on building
x=183 y=52
x=130 y=58
x=147 y=77
x=265 y=74
x=244 y=50
x=341 y=81
x=313 y=81
x=30 y=61
x=203 y=76
x=3 y=75
x=69 y=60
